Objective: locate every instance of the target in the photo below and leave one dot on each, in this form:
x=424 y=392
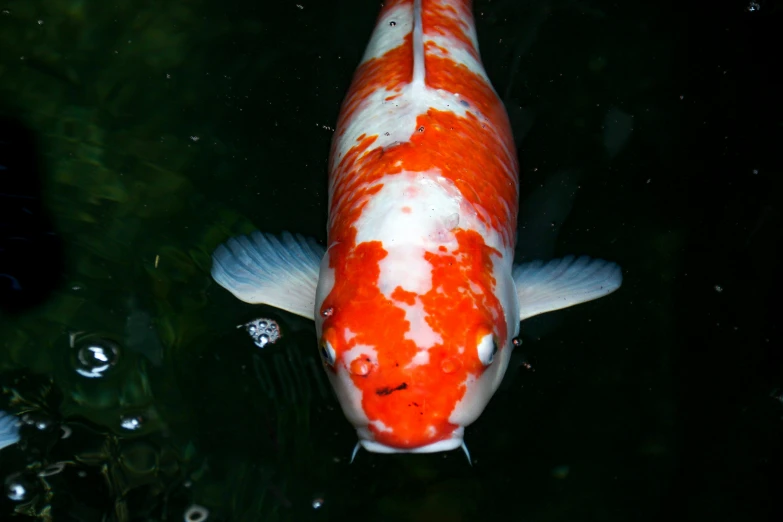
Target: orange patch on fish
x=464 y=150
x=390 y=71
x=416 y=399
x=441 y=19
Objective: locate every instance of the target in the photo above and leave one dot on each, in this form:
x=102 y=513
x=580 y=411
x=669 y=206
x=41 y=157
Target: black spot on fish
x=388 y=391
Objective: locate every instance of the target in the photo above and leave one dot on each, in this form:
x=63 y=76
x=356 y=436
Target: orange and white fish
x=416 y=300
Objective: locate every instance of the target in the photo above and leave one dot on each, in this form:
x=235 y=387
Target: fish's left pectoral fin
x=263 y=269
x=9 y=429
x=560 y=283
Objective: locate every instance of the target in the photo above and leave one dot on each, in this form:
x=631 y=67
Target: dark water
x=649 y=134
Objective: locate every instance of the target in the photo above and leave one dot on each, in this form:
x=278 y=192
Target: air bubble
x=318 y=502
x=263 y=331
x=517 y=341
x=392 y=23
x=196 y=513
x=140 y=458
x=21 y=487
x=132 y=422
x=16 y=491
x=327 y=312
x=37 y=420
x=95 y=356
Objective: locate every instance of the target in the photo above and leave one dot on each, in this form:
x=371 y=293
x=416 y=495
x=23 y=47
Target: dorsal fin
x=418 y=46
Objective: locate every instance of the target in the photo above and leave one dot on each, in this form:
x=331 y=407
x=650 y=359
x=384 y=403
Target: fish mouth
x=448 y=444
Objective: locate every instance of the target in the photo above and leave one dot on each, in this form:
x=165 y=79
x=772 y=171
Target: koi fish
x=416 y=300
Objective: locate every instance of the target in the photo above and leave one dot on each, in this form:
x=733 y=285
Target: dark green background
x=655 y=403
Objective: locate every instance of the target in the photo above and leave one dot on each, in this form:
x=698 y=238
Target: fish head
x=415 y=339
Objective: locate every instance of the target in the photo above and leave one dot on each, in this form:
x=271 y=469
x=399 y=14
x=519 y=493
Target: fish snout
x=435 y=440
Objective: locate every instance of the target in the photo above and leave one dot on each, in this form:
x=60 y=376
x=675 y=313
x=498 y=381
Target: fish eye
x=487 y=349
x=328 y=354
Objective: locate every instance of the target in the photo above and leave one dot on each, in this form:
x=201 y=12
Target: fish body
x=416 y=300
x=423 y=206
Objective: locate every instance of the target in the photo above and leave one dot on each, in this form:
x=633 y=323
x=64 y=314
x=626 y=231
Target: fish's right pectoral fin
x=560 y=283
x=264 y=269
